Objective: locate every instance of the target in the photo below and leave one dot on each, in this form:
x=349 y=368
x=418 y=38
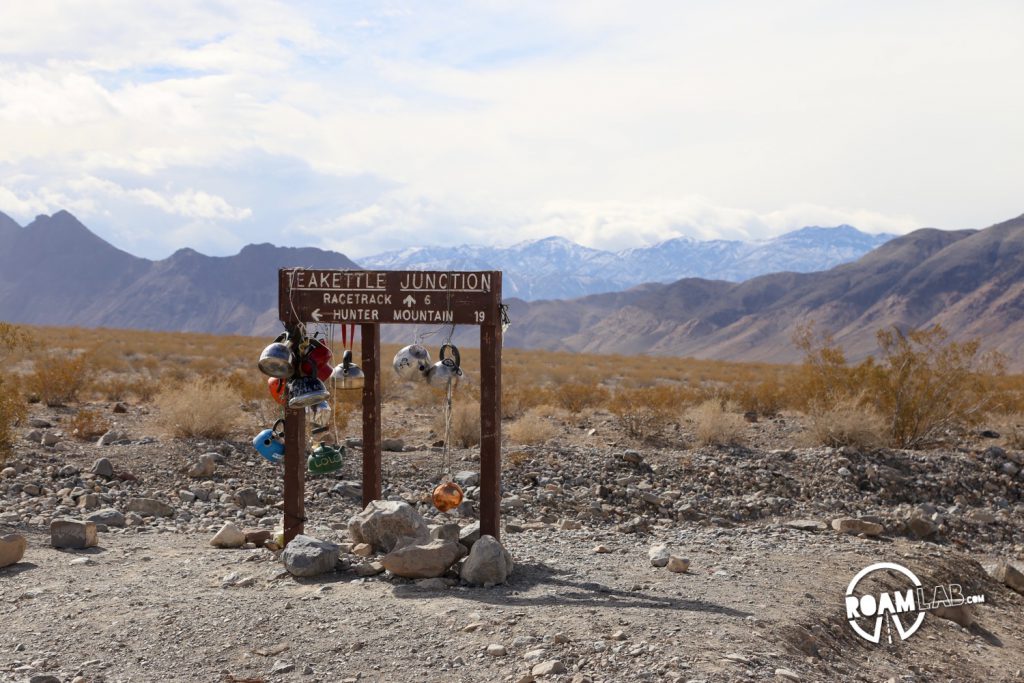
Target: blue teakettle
x=270 y=443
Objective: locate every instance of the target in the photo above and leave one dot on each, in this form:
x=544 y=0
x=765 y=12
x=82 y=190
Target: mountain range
x=556 y=268
x=55 y=271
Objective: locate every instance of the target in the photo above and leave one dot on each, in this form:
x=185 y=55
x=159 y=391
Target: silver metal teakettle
x=448 y=369
x=348 y=374
x=277 y=360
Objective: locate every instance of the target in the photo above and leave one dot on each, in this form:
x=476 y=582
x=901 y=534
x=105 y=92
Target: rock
x=436 y=584
x=678 y=564
x=851 y=525
x=362 y=549
x=446 y=532
x=423 y=561
x=71 y=533
x=618 y=635
x=602 y=549
x=282 y=667
x=383 y=522
x=34 y=436
x=807 y=525
x=186 y=496
x=247 y=498
x=496 y=650
x=308 y=556
x=1009 y=574
x=12 y=549
x=150 y=507
x=470 y=534
x=552 y=667
x=229 y=536
x=488 y=564
x=43 y=678
x=633 y=457
x=962 y=615
x=786 y=675
x=50 y=438
x=108 y=516
x=8 y=473
x=204 y=466
x=981 y=517
x=88 y=501
x=659 y=555
x=467 y=478
x=397 y=445
x=39 y=423
x=1009 y=468
x=103 y=468
x=921 y=528
x=110 y=437
x=368 y=568
x=570 y=525
x=258 y=536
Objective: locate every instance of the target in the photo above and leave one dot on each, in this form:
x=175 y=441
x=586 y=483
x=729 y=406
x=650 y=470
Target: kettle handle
x=274 y=428
x=456 y=356
x=346 y=359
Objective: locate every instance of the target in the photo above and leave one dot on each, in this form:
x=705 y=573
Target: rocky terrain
x=752 y=591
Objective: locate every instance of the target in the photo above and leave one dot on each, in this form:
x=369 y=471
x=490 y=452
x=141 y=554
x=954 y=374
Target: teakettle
x=277 y=387
x=325 y=459
x=412 y=362
x=270 y=443
x=447 y=496
x=306 y=391
x=277 y=360
x=348 y=374
x=320 y=417
x=315 y=354
x=447 y=369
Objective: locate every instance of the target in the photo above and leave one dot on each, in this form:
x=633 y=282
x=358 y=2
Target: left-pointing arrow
x=315 y=315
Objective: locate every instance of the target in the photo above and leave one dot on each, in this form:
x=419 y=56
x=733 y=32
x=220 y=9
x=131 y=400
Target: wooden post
x=371 y=413
x=294 y=472
x=490 y=427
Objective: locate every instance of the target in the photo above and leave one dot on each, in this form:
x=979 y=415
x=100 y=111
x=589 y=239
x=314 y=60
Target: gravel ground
x=761 y=600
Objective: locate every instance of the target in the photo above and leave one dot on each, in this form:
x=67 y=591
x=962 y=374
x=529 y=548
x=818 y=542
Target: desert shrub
x=925 y=385
x=645 y=412
x=575 y=396
x=531 y=429
x=766 y=397
x=58 y=379
x=849 y=422
x=465 y=424
x=198 y=409
x=713 y=425
x=517 y=397
x=12 y=409
x=1015 y=433
x=143 y=389
x=87 y=424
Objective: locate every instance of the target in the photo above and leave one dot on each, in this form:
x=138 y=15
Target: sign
x=389 y=296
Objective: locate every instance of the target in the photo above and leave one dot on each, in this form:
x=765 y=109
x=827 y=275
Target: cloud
x=373 y=125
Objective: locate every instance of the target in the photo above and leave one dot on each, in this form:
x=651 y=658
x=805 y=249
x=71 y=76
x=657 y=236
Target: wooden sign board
x=372 y=298
x=381 y=297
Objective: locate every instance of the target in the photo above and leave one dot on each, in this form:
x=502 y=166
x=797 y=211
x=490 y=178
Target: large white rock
x=383 y=523
x=423 y=561
x=308 y=556
x=659 y=555
x=852 y=525
x=488 y=564
x=12 y=549
x=229 y=536
x=71 y=533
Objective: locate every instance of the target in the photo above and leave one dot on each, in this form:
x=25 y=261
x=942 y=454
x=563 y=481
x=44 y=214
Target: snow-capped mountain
x=557 y=268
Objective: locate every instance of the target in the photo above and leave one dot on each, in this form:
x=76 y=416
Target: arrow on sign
x=315 y=315
x=409 y=301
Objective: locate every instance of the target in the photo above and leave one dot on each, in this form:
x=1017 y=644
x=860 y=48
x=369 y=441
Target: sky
x=371 y=126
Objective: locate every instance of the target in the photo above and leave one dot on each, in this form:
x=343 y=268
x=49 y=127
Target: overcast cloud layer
x=367 y=126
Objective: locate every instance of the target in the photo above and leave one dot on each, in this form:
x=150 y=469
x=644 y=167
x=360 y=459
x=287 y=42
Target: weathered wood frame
x=293 y=314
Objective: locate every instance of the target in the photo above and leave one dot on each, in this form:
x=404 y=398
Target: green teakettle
x=325 y=459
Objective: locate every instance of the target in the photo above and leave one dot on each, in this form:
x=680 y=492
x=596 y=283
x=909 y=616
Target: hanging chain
x=446 y=454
